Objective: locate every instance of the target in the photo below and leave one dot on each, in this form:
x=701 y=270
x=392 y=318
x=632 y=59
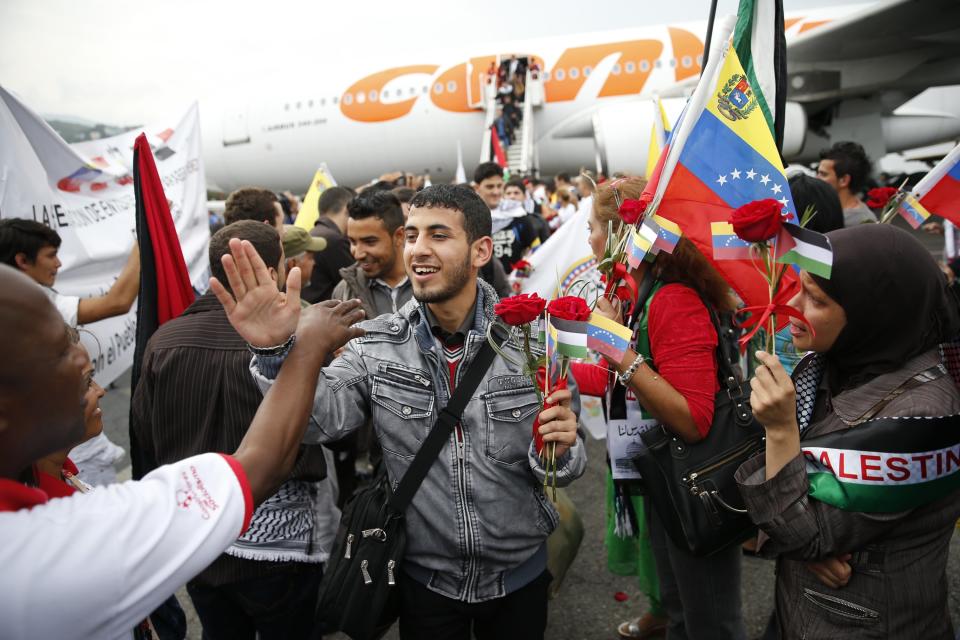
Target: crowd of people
x=319 y=360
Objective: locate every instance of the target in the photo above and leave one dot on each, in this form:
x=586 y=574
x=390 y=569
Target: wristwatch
x=279 y=350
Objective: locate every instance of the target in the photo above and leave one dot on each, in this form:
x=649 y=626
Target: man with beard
x=477 y=526
x=378 y=278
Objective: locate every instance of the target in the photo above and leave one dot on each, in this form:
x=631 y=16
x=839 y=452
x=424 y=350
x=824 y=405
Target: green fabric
x=634 y=556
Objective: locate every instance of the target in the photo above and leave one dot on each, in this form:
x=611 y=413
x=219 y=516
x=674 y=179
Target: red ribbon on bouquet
x=542 y=383
x=760 y=314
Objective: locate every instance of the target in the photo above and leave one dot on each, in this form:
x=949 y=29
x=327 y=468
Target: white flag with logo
x=85 y=193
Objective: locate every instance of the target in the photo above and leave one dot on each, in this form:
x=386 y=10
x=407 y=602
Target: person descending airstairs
x=520 y=155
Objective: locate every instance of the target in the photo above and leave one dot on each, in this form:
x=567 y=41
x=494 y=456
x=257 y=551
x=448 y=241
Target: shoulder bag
x=692 y=486
x=359 y=595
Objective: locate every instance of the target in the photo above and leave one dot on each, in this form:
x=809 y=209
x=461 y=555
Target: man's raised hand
x=256 y=308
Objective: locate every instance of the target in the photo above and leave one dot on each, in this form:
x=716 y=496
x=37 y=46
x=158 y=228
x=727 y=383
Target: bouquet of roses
x=763 y=229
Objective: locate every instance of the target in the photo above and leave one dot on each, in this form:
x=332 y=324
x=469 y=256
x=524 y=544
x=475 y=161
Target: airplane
x=851 y=69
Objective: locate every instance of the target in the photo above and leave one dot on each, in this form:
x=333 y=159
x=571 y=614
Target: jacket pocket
x=403 y=414
x=510 y=414
x=831 y=615
x=548 y=515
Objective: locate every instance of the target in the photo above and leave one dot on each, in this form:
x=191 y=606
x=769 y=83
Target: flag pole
x=706 y=44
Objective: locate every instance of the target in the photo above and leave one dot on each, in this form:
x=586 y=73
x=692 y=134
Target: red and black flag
x=165 y=289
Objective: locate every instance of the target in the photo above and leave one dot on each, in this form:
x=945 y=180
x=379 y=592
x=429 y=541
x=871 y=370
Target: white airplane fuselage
x=412 y=115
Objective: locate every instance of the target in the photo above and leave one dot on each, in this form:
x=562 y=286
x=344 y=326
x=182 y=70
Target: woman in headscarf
x=843 y=494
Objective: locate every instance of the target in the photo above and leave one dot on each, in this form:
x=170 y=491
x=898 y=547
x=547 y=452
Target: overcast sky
x=124 y=62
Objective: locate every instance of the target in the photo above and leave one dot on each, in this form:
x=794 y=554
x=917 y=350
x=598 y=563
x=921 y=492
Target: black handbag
x=691 y=486
x=358 y=595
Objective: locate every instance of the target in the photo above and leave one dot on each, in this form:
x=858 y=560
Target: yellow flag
x=658 y=135
x=310 y=208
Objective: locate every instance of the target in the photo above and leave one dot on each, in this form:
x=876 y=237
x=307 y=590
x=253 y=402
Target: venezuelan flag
x=913 y=212
x=721 y=156
x=641 y=244
x=939 y=190
x=605 y=336
x=726 y=244
x=668 y=235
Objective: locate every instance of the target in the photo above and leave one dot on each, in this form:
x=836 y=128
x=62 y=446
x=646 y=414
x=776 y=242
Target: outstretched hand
x=330 y=325
x=256 y=308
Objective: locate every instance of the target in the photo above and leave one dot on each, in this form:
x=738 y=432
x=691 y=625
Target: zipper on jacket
x=346 y=554
x=366 y=574
x=464 y=513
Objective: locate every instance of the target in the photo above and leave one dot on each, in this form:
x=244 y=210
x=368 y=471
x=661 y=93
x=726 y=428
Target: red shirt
x=683 y=345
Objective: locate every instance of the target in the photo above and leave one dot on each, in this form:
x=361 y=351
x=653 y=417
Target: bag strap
x=927 y=375
x=446 y=421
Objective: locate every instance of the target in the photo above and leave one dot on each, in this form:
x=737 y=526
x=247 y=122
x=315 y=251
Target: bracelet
x=279 y=350
x=625 y=377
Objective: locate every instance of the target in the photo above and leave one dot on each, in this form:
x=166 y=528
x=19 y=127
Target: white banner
x=563 y=259
x=85 y=193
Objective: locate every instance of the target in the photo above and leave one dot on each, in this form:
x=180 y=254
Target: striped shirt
x=195 y=395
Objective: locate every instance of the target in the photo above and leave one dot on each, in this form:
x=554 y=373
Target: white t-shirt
x=68 y=306
x=94 y=565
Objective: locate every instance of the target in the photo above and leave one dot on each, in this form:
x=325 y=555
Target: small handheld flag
x=726 y=244
x=641 y=243
x=668 y=234
x=605 y=336
x=811 y=250
x=570 y=336
x=913 y=212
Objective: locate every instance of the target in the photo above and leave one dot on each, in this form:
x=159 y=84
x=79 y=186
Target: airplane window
x=644 y=66
x=413 y=90
x=574 y=73
x=298 y=105
x=630 y=67
x=438 y=88
x=373 y=95
x=546 y=76
x=587 y=71
x=658 y=63
x=616 y=69
x=426 y=89
x=286 y=107
x=348 y=98
x=384 y=94
x=361 y=97
x=310 y=104
x=323 y=101
x=673 y=62
x=451 y=86
x=686 y=62
x=335 y=99
x=699 y=60
x=558 y=75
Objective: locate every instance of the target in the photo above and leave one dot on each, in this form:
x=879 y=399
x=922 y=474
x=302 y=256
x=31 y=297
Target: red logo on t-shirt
x=193 y=494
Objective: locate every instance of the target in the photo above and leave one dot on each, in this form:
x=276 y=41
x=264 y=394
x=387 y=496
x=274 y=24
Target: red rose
x=520 y=310
x=569 y=308
x=879 y=197
x=757 y=221
x=520 y=264
x=631 y=211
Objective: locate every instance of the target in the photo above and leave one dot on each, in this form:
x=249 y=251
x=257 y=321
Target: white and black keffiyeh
x=806 y=383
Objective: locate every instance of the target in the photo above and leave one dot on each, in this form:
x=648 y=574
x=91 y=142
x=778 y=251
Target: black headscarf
x=895 y=299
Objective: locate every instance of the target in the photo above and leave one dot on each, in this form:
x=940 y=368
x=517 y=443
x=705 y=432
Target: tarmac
x=585 y=608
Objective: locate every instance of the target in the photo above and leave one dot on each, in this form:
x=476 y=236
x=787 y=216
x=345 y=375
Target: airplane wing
x=902 y=46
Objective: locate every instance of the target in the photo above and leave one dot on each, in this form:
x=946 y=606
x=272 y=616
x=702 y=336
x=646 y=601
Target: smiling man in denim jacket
x=477 y=527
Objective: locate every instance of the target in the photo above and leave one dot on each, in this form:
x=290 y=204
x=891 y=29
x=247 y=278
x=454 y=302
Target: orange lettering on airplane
x=686 y=48
x=449 y=91
x=812 y=25
x=636 y=61
x=362 y=101
x=789 y=22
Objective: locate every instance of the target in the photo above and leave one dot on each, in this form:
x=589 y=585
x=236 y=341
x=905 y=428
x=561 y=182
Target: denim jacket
x=481 y=512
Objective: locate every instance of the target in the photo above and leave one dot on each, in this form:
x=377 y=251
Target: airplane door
x=235 y=129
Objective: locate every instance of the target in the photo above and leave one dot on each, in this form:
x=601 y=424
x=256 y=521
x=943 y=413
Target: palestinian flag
x=570 y=337
x=165 y=289
x=885 y=465
x=810 y=250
